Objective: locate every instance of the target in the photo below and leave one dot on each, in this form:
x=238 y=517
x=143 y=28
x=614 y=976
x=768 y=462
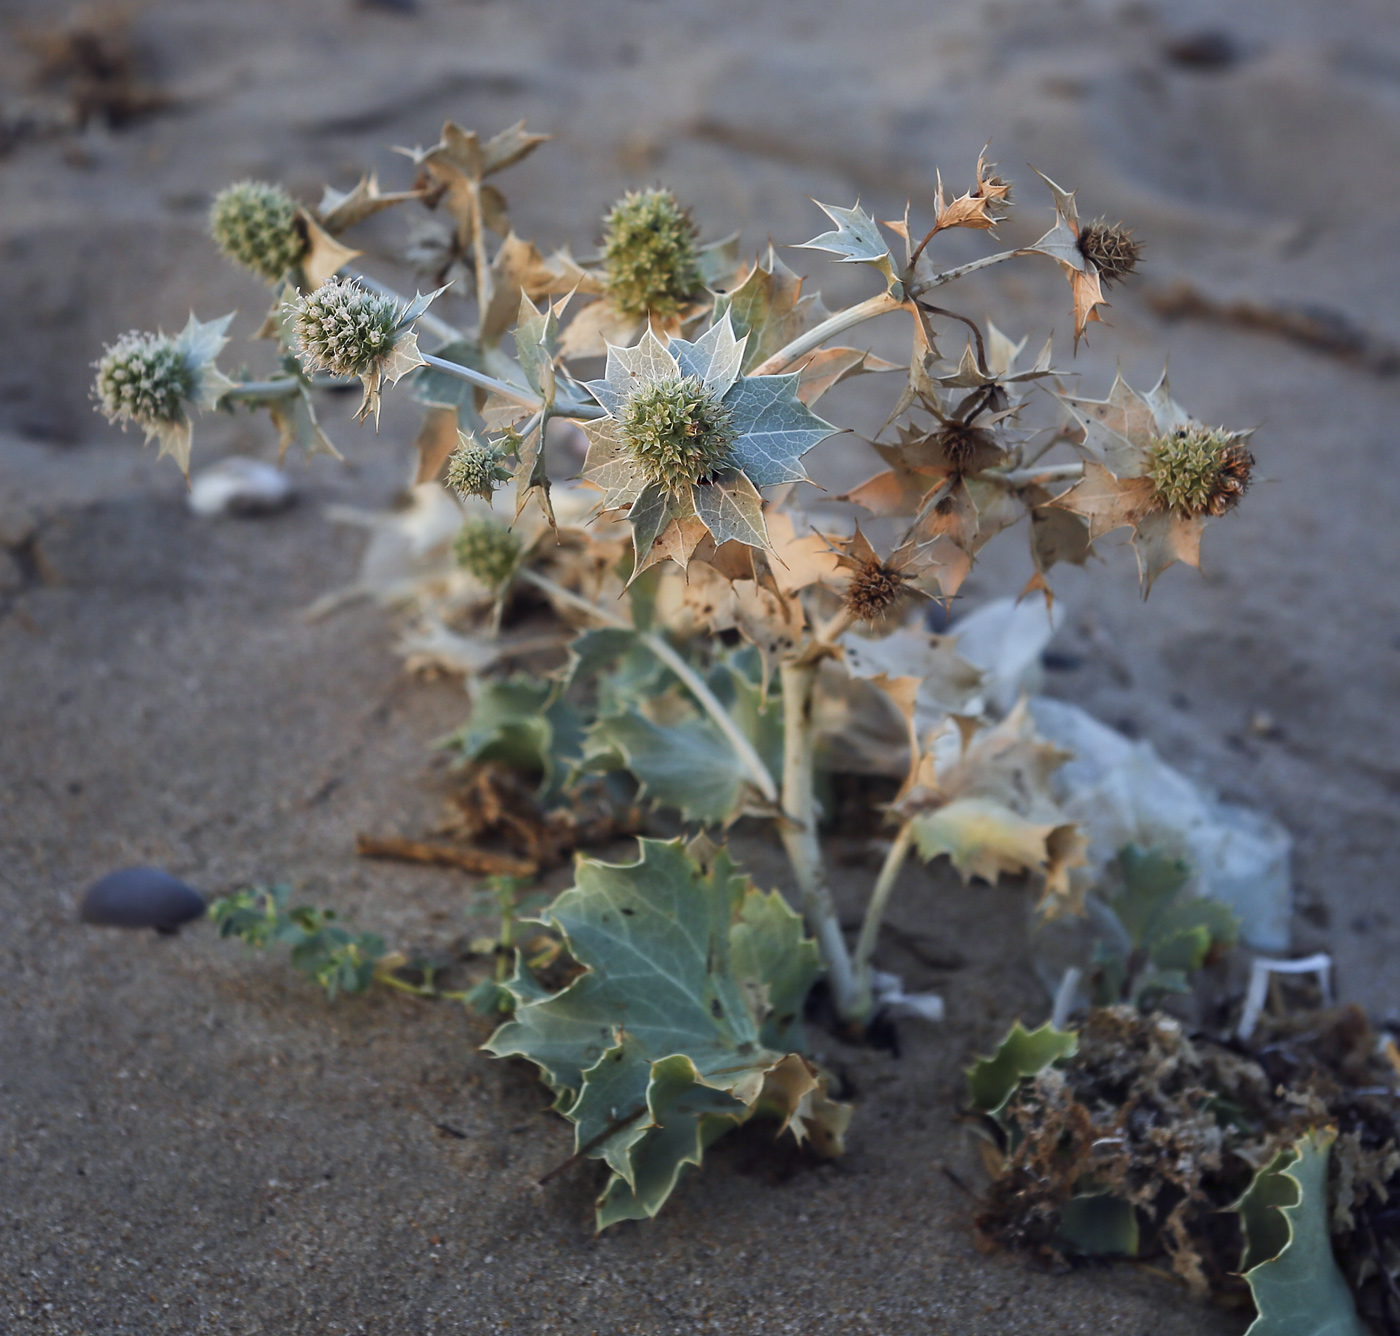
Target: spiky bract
x=254 y=223
x=488 y=550
x=345 y=329
x=649 y=255
x=474 y=469
x=677 y=432
x=1110 y=248
x=144 y=378
x=1198 y=470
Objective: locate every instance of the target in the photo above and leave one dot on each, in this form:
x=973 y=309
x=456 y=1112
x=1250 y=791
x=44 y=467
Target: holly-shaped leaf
x=523 y=723
x=769 y=307
x=1023 y=1053
x=856 y=239
x=1293 y=1275
x=661 y=1044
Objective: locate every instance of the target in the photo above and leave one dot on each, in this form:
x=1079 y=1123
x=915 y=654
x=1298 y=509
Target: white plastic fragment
x=1005 y=639
x=409 y=551
x=1258 y=992
x=1122 y=792
x=1065 y=997
x=890 y=997
x=239 y=485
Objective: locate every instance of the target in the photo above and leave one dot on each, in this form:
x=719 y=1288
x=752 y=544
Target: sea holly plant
x=626 y=438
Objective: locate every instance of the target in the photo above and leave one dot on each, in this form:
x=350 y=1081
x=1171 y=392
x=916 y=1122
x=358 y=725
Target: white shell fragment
x=238 y=485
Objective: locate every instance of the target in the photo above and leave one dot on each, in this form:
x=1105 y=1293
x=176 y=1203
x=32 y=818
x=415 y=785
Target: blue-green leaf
x=1298 y=1288
x=1023 y=1053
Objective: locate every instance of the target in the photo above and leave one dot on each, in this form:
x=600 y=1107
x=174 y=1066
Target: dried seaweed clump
x=1136 y=1135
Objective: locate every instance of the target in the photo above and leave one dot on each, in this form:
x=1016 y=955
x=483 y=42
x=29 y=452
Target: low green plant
x=322 y=947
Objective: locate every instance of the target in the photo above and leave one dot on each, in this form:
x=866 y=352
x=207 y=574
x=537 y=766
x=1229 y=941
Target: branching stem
x=696 y=684
x=1046 y=474
x=829 y=328
x=949 y=275
x=874 y=916
x=474 y=377
x=257 y=390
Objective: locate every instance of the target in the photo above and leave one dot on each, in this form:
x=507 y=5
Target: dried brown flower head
x=966 y=449
x=1110 y=248
x=873 y=589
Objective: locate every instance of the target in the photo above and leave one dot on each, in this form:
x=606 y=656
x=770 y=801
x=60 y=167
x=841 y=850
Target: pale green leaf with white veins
x=774 y=429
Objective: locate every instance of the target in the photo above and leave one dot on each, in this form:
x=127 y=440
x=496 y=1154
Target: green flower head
x=1198 y=470
x=153 y=380
x=488 y=550
x=144 y=378
x=678 y=432
x=649 y=255
x=688 y=440
x=255 y=224
x=346 y=329
x=474 y=469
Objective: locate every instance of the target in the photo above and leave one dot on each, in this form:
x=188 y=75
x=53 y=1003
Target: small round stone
x=140 y=897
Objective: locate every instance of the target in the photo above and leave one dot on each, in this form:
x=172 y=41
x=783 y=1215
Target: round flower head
x=1198 y=470
x=255 y=224
x=649 y=255
x=153 y=380
x=1148 y=465
x=344 y=328
x=677 y=432
x=144 y=378
x=688 y=440
x=1110 y=249
x=474 y=470
x=488 y=550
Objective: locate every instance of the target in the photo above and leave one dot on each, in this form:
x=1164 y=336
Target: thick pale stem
x=874 y=916
x=829 y=328
x=480 y=378
x=696 y=684
x=1049 y=473
x=279 y=388
x=948 y=275
x=484 y=286
x=799 y=831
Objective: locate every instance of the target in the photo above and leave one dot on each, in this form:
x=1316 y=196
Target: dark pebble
x=1210 y=49
x=141 y=897
x=1057 y=661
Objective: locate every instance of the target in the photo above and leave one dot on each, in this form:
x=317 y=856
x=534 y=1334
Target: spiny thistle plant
x=718 y=631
